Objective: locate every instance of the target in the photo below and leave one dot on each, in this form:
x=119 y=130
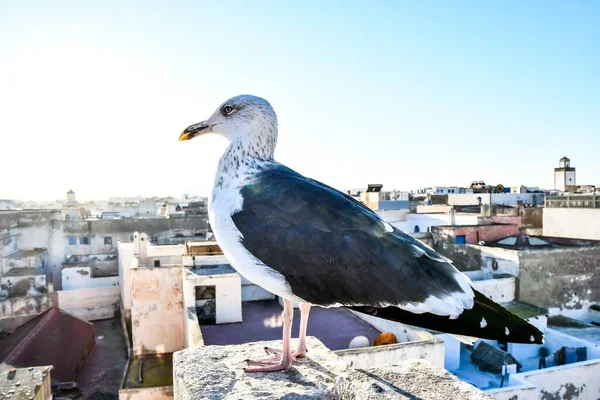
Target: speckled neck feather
x=250 y=152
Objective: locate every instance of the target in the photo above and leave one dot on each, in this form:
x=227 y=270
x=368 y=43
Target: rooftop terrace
x=575 y=328
x=19 y=254
x=528 y=242
x=149 y=371
x=524 y=310
x=25 y=271
x=335 y=327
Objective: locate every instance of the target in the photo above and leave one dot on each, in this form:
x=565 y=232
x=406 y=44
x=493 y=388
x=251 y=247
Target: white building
x=519 y=189
x=422 y=222
x=441 y=190
x=564 y=175
x=576 y=216
x=495 y=198
x=193 y=256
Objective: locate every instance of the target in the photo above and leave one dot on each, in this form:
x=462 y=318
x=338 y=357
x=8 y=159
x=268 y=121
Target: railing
x=572 y=202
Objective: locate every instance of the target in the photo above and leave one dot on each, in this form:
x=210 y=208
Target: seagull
x=314 y=245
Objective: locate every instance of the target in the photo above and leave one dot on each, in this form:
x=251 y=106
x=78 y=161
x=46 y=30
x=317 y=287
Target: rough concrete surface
x=215 y=372
x=406 y=380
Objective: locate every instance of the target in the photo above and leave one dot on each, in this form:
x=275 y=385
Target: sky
x=93 y=95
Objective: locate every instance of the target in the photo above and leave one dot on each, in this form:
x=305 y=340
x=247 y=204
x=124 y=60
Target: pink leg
x=301 y=351
x=304 y=311
x=278 y=363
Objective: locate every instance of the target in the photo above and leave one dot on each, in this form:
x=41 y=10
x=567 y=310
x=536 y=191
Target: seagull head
x=243 y=116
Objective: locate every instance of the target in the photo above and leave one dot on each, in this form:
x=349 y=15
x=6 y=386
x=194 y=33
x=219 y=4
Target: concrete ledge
x=215 y=372
x=193 y=334
x=411 y=379
x=431 y=350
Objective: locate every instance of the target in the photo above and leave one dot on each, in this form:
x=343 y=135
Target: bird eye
x=227 y=110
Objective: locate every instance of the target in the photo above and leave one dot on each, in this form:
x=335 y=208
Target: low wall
x=452 y=348
x=506 y=260
x=572 y=381
x=82 y=278
x=366 y=357
x=565 y=279
x=465 y=257
x=193 y=334
x=87 y=304
x=253 y=292
x=16 y=311
x=501 y=290
x=399 y=330
x=90 y=304
x=198 y=260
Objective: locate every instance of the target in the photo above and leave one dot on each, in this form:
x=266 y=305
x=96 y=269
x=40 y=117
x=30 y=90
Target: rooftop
x=575 y=328
x=26 y=253
x=91 y=257
x=335 y=327
x=528 y=242
x=479 y=226
x=213 y=270
x=524 y=310
x=573 y=201
x=22 y=383
x=25 y=271
x=154 y=371
x=52 y=338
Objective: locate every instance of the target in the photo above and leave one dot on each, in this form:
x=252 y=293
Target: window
x=84 y=240
x=108 y=240
x=72 y=241
x=157 y=263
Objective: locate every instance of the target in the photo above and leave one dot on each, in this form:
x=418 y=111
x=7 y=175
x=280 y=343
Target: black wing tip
x=510 y=330
x=538 y=337
x=525 y=336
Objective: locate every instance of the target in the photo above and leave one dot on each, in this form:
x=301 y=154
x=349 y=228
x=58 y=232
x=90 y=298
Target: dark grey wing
x=332 y=249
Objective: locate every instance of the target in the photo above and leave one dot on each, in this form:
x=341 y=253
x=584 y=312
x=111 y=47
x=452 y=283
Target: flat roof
x=213 y=270
x=575 y=328
x=25 y=271
x=454 y=227
x=524 y=310
x=26 y=253
x=537 y=242
x=196 y=243
x=156 y=370
x=77 y=264
x=335 y=327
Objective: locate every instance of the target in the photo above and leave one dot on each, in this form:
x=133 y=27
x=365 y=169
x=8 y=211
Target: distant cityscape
x=138 y=282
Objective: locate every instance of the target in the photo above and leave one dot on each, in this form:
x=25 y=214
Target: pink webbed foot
x=295 y=355
x=269 y=364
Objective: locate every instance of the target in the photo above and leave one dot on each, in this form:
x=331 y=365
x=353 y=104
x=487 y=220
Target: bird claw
x=270 y=364
x=276 y=352
x=279 y=366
